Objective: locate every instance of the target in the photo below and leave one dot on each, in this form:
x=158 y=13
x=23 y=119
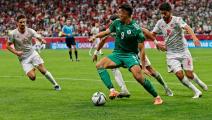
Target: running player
x=129 y=38
x=21 y=37
x=118 y=76
x=179 y=59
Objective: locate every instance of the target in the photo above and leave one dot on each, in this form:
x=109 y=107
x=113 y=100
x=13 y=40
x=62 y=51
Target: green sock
x=149 y=87
x=159 y=78
x=105 y=77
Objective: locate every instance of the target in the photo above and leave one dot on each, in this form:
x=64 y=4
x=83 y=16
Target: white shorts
x=31 y=62
x=177 y=63
x=147 y=62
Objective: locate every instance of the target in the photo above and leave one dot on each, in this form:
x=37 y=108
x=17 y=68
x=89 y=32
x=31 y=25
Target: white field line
x=78 y=79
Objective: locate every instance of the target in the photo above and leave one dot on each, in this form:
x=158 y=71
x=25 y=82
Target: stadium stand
x=48 y=16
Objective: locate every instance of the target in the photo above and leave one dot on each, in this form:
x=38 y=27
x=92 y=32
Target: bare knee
x=136 y=71
x=189 y=74
x=31 y=76
x=179 y=75
x=99 y=65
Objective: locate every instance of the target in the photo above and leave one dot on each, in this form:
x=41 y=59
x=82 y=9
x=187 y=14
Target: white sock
x=188 y=84
x=49 y=76
x=119 y=79
x=199 y=82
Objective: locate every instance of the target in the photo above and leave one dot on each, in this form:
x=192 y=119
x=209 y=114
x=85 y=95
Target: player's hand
x=19 y=53
x=161 y=47
x=146 y=71
x=92 y=39
x=94 y=58
x=197 y=43
x=43 y=41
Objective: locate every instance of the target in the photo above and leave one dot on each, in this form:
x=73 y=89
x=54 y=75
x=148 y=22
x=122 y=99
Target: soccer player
x=118 y=76
x=179 y=59
x=21 y=37
x=94 y=31
x=67 y=31
x=129 y=38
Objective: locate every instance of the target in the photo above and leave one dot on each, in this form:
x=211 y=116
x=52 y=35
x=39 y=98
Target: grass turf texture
x=22 y=99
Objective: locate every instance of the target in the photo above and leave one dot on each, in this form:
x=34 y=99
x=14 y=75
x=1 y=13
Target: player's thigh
x=129 y=60
x=189 y=74
x=111 y=61
x=187 y=63
x=174 y=65
x=27 y=64
x=38 y=62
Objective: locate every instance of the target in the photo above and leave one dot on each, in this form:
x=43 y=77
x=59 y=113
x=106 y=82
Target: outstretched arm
x=142 y=55
x=100 y=35
x=194 y=37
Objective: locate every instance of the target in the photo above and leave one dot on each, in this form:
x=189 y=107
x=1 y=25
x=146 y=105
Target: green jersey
x=127 y=36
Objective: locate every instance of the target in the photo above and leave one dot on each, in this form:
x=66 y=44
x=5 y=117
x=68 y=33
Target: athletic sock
x=105 y=77
x=119 y=79
x=188 y=84
x=149 y=87
x=70 y=54
x=160 y=79
x=76 y=54
x=49 y=76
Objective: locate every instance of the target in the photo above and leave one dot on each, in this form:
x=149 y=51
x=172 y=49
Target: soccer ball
x=98 y=98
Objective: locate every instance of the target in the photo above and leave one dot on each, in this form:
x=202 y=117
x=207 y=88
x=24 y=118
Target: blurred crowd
x=48 y=16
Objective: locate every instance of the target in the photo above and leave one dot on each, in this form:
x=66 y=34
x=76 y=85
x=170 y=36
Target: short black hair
x=165 y=7
x=114 y=17
x=21 y=16
x=128 y=8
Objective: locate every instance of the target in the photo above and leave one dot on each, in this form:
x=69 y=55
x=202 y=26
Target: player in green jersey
x=129 y=39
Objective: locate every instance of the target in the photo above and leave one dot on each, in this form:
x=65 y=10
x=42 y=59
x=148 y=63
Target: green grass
x=22 y=99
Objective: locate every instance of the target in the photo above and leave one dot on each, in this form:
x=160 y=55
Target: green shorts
x=124 y=59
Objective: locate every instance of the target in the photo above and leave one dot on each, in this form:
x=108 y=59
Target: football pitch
x=23 y=99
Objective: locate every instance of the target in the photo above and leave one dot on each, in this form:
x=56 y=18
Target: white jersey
x=173 y=34
x=94 y=30
x=23 y=42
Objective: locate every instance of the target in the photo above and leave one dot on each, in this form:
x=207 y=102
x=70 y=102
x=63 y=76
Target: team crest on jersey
x=128 y=32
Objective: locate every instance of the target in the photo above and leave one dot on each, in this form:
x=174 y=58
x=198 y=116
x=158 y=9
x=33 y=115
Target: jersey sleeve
x=156 y=29
x=35 y=34
x=10 y=37
x=112 y=26
x=141 y=37
x=181 y=23
x=63 y=29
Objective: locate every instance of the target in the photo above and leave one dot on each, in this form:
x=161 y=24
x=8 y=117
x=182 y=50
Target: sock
x=188 y=84
x=76 y=54
x=149 y=87
x=119 y=79
x=105 y=77
x=70 y=54
x=49 y=76
x=199 y=82
x=159 y=78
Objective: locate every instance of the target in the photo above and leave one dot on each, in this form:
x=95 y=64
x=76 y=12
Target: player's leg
x=136 y=71
x=188 y=68
x=119 y=79
x=160 y=79
x=175 y=66
x=101 y=66
x=75 y=49
x=48 y=76
x=133 y=64
x=31 y=74
x=192 y=76
x=38 y=62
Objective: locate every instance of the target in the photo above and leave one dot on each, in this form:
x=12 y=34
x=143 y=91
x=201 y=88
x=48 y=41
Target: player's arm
x=142 y=55
x=148 y=34
x=38 y=37
x=193 y=36
x=99 y=46
x=100 y=35
x=11 y=49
